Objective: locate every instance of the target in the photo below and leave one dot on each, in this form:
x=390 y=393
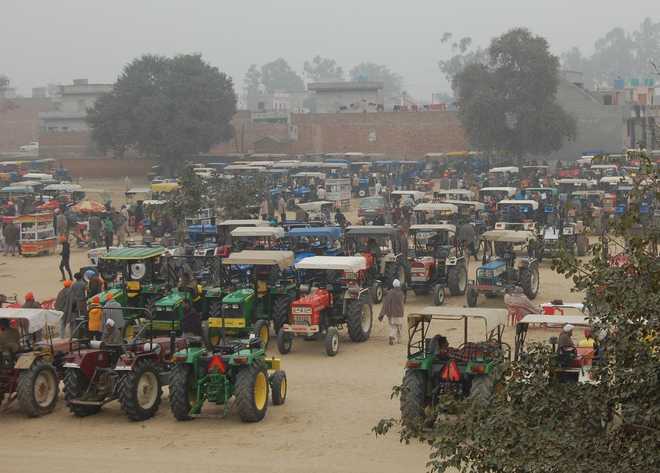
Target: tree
x=462 y=56
x=533 y=423
x=393 y=82
x=170 y=108
x=323 y=69
x=277 y=76
x=508 y=104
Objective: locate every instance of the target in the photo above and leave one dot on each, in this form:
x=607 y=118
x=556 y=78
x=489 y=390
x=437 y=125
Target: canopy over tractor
x=351 y=264
x=282 y=259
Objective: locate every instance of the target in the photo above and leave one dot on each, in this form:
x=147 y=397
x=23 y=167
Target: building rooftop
x=344 y=86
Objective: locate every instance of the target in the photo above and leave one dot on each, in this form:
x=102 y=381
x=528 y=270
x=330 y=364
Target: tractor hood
x=170 y=300
x=238 y=297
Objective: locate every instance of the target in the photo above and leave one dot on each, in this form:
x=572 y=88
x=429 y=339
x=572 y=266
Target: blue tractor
x=315 y=241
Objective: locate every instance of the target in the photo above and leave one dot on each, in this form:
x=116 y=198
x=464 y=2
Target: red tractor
x=334 y=297
x=133 y=373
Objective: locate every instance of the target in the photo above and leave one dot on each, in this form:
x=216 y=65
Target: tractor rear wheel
x=281 y=308
x=37 y=389
x=359 y=319
x=332 y=341
x=413 y=399
x=529 y=280
x=482 y=389
x=472 y=297
x=141 y=391
x=75 y=385
x=262 y=332
x=457 y=279
x=182 y=391
x=252 y=393
x=284 y=342
x=438 y=294
x=376 y=292
x=278 y=387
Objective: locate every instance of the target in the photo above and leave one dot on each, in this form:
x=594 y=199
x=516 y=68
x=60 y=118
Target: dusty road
x=325 y=425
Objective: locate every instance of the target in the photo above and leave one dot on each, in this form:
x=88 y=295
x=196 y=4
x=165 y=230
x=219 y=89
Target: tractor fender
x=26 y=360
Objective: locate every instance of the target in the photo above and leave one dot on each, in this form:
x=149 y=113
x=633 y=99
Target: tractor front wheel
x=457 y=280
x=281 y=308
x=262 y=331
x=529 y=280
x=472 y=296
x=413 y=399
x=252 y=393
x=359 y=320
x=75 y=385
x=376 y=292
x=438 y=294
x=182 y=391
x=332 y=341
x=284 y=342
x=278 y=387
x=37 y=389
x=141 y=391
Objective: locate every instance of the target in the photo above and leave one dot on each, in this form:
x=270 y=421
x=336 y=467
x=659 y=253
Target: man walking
x=94 y=230
x=65 y=256
x=393 y=309
x=63 y=304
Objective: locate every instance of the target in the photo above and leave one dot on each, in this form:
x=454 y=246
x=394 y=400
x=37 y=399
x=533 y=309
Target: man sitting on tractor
x=9 y=337
x=111 y=334
x=565 y=338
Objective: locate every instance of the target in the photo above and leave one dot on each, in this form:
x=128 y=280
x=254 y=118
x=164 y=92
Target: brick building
x=19 y=121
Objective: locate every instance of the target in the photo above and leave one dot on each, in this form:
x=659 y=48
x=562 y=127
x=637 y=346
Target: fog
x=53 y=42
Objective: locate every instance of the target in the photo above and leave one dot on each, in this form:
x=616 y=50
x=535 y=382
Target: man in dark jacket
x=192 y=323
x=63 y=304
x=30 y=303
x=65 y=257
x=78 y=296
x=11 y=234
x=393 y=309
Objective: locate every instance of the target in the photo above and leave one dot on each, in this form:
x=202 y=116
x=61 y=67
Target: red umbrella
x=88 y=207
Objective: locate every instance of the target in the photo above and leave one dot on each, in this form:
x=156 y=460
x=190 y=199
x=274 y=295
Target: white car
x=33 y=146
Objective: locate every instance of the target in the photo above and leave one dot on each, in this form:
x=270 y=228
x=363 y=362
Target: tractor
x=438 y=262
x=315 y=241
x=257 y=238
x=502 y=268
x=332 y=297
x=133 y=373
x=383 y=249
x=572 y=237
x=237 y=369
x=434 y=369
x=264 y=296
x=31 y=374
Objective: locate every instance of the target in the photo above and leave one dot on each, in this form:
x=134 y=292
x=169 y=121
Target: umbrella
x=88 y=207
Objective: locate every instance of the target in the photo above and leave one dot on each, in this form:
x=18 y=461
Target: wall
x=107 y=167
x=397 y=134
x=247 y=133
x=65 y=144
x=347 y=101
x=19 y=121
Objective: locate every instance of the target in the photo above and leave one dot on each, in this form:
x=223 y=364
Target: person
x=111 y=334
x=112 y=311
x=191 y=326
x=466 y=236
x=11 y=233
x=108 y=231
x=281 y=208
x=321 y=192
x=63 y=304
x=565 y=341
x=518 y=304
x=340 y=218
x=94 y=230
x=263 y=208
x=30 y=303
x=62 y=224
x=65 y=256
x=9 y=337
x=78 y=295
x=95 y=283
x=373 y=247
x=393 y=309
x=95 y=320
x=378 y=187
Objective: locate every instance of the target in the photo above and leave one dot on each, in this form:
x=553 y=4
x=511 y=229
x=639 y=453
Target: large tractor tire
x=472 y=296
x=281 y=308
x=75 y=384
x=182 y=391
x=359 y=319
x=38 y=389
x=376 y=292
x=529 y=281
x=457 y=280
x=413 y=399
x=284 y=342
x=262 y=332
x=252 y=393
x=582 y=245
x=482 y=389
x=332 y=341
x=278 y=387
x=438 y=294
x=140 y=392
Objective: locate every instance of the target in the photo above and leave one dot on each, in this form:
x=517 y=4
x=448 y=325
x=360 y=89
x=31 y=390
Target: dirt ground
x=325 y=425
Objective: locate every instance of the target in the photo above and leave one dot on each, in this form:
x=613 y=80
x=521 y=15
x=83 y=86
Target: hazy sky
x=45 y=41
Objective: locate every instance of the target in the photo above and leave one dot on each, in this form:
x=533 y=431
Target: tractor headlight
x=226 y=306
x=302 y=310
x=234 y=306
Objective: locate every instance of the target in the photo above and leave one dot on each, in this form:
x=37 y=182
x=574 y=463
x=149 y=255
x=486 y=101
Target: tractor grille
x=302 y=319
x=231 y=312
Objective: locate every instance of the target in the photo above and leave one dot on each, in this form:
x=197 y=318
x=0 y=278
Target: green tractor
x=269 y=287
x=238 y=370
x=434 y=369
